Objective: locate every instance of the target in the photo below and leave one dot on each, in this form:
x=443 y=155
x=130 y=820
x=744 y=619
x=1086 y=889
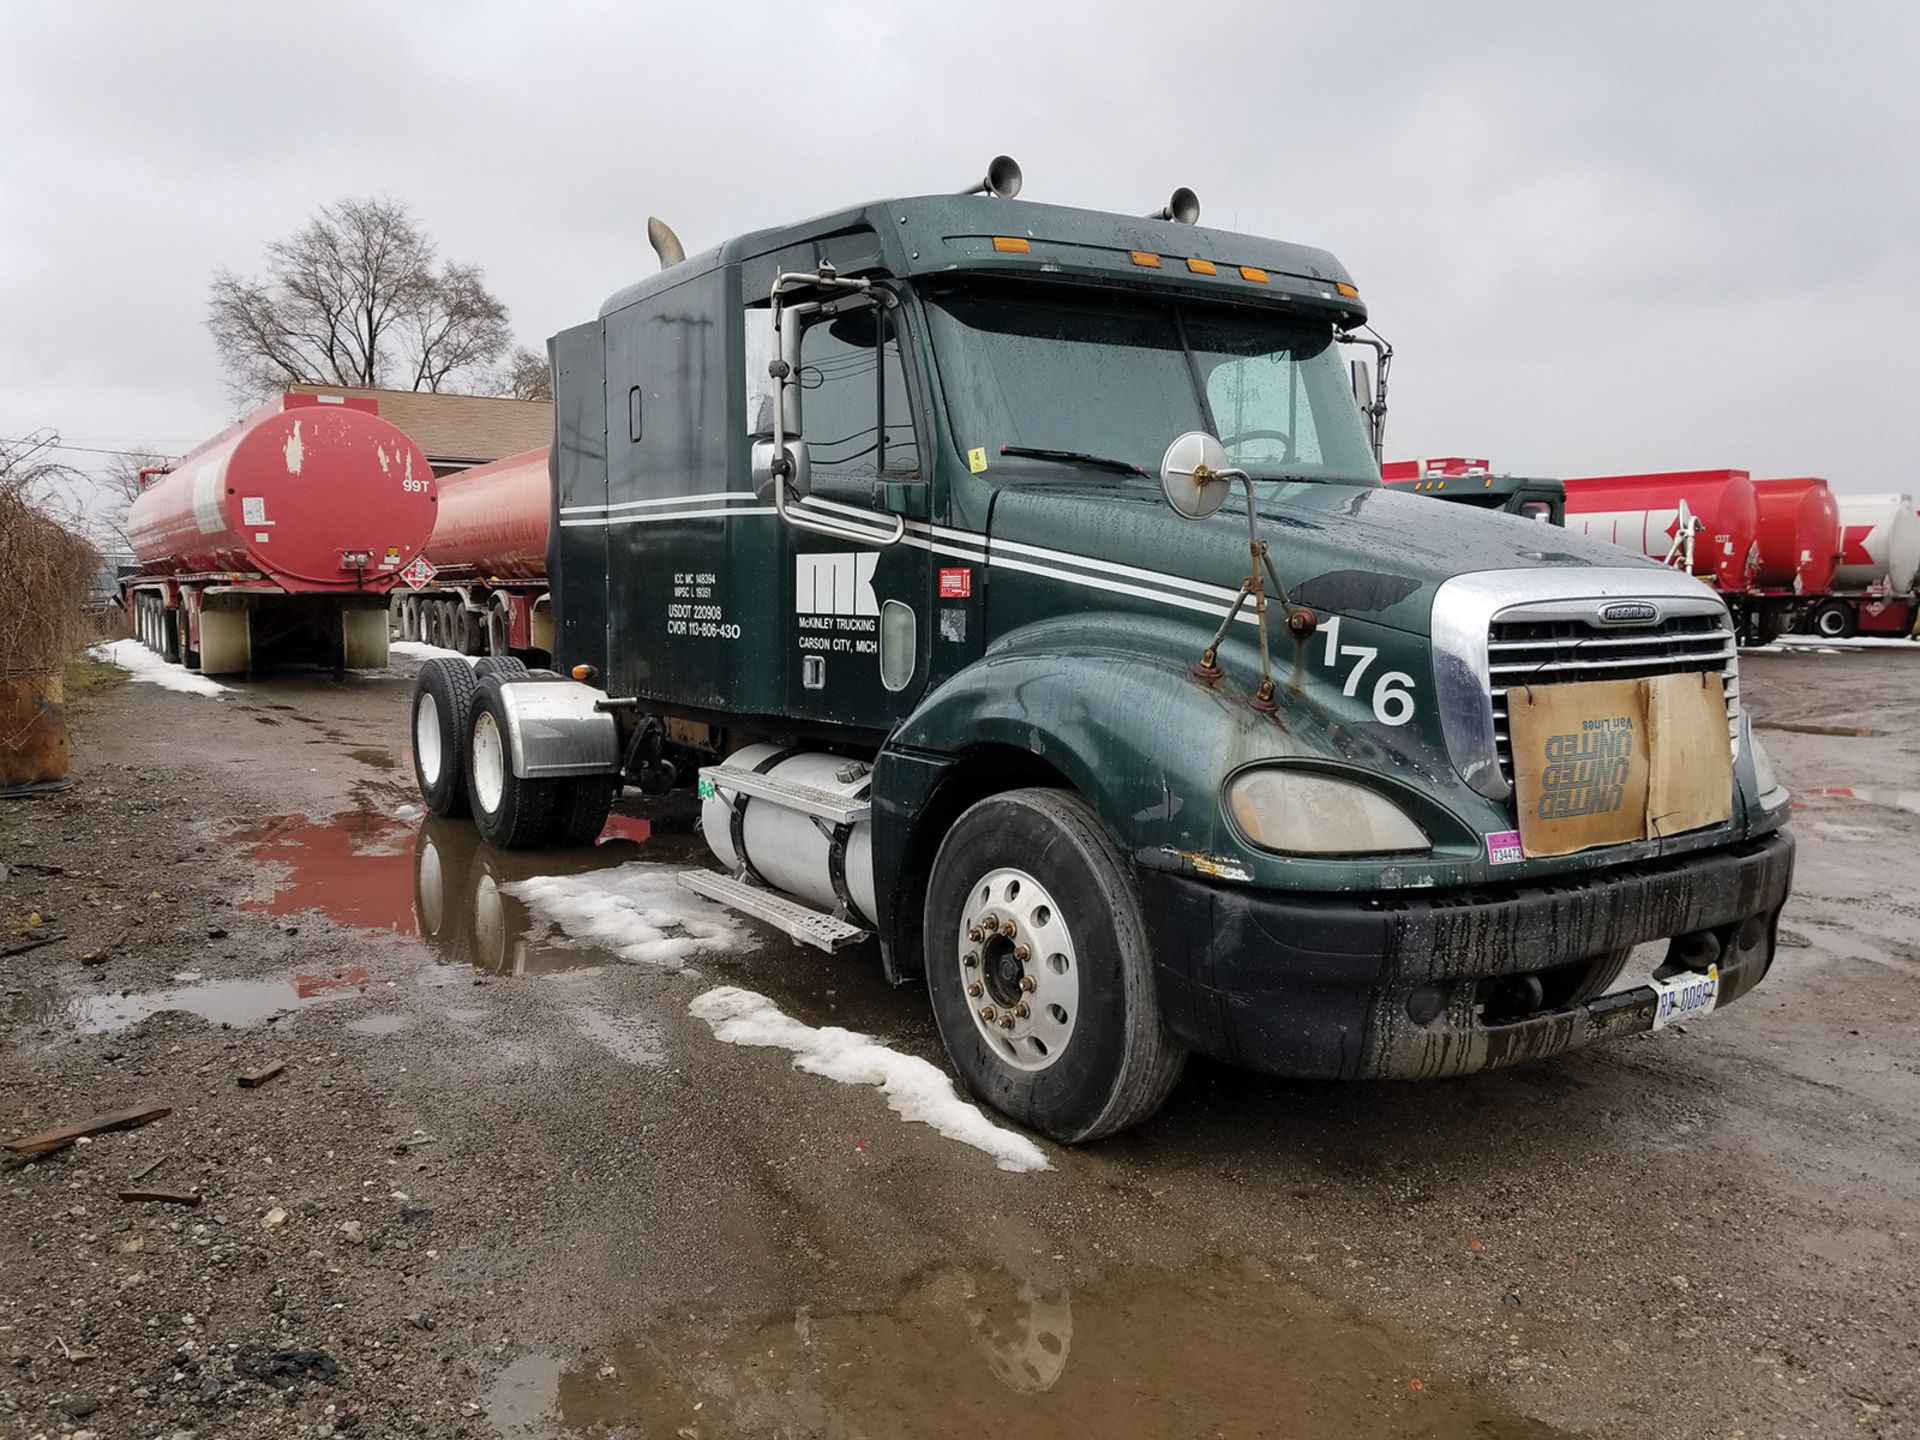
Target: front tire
x=512 y=813
x=1090 y=1055
x=442 y=700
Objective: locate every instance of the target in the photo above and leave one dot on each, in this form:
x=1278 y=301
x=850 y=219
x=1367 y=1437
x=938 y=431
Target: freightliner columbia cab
x=1017 y=586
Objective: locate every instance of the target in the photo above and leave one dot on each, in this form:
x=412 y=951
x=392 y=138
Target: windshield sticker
x=1503 y=848
x=977 y=459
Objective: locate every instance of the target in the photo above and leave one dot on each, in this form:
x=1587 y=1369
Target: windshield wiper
x=1072 y=457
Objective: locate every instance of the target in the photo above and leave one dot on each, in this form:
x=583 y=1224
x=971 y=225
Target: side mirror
x=1194 y=475
x=797 y=473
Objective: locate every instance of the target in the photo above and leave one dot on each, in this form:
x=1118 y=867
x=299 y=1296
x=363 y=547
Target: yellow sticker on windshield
x=977 y=459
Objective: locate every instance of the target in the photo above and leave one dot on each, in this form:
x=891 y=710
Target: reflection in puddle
x=351 y=867
x=430 y=878
x=242 y=1003
x=382 y=1024
x=986 y=1349
x=1908 y=800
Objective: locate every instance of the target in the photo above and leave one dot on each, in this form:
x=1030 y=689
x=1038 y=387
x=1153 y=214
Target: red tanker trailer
x=1873 y=584
x=279 y=538
x=1799 y=535
x=488 y=595
x=1706 y=522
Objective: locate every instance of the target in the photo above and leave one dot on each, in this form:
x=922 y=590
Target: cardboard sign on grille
x=1608 y=761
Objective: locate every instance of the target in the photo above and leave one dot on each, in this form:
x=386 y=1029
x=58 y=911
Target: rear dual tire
x=442 y=701
x=524 y=814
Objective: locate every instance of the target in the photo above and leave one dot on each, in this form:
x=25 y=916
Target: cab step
x=830 y=805
x=802 y=922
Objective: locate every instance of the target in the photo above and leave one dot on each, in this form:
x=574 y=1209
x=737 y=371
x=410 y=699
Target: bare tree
x=526 y=376
x=356 y=298
x=48 y=563
x=118 y=486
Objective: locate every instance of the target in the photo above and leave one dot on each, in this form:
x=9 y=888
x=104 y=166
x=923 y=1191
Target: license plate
x=1684 y=996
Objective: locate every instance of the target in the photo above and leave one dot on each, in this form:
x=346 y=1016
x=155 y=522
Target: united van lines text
x=1586 y=771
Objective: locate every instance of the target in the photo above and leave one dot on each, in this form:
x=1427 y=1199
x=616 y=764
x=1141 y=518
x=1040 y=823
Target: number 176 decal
x=1392 y=689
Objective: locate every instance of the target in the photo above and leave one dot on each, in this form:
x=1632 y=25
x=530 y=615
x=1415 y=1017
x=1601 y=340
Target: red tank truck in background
x=1705 y=522
x=279 y=539
x=488 y=594
x=1872 y=590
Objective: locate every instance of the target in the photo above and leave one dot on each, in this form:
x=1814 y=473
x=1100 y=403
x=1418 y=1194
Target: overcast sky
x=1612 y=237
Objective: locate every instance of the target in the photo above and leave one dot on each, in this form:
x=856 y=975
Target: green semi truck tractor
x=1017 y=586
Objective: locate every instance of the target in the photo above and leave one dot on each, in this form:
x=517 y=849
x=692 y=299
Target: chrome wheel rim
x=1019 y=973
x=426 y=736
x=489 y=768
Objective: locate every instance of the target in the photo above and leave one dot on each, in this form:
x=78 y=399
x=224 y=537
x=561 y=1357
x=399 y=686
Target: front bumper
x=1322 y=986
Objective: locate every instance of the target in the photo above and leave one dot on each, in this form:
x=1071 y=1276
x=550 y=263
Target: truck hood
x=1347 y=549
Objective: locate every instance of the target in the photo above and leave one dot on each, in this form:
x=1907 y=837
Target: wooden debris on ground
x=48 y=1141
x=254 y=1079
x=163 y=1197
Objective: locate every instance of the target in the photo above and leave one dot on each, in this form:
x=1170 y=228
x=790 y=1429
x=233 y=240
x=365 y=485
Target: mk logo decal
x=827 y=584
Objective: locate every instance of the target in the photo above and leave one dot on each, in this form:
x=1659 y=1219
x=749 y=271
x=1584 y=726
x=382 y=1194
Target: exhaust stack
x=665 y=243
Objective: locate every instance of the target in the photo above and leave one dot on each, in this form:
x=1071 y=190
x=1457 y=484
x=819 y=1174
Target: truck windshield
x=1120 y=378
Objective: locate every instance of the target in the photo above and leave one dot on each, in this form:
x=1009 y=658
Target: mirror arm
x=787 y=375
x=1376 y=413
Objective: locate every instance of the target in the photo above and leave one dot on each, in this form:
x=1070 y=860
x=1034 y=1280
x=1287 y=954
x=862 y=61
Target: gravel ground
x=506 y=1185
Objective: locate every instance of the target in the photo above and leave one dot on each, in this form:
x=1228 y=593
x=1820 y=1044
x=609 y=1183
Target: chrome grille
x=1558 y=651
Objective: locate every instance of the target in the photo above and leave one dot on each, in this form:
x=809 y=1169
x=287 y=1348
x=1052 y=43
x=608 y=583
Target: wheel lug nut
x=987 y=1012
x=1021 y=1010
x=970 y=959
x=976 y=934
x=990 y=922
x=973 y=991
x=1022 y=953
x=1006 y=1022
x=1029 y=984
x=1009 y=929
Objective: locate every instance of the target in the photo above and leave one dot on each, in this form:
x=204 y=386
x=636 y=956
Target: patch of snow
x=915 y=1090
x=420 y=650
x=638 y=911
x=408 y=813
x=142 y=664
x=1821 y=645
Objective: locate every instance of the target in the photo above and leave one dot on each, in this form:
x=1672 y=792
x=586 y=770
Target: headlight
x=1306 y=814
x=1772 y=793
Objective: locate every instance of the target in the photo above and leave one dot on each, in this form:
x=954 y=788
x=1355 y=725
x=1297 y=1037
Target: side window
x=858 y=420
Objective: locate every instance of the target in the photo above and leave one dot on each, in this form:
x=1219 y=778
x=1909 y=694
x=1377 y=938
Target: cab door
x=861 y=612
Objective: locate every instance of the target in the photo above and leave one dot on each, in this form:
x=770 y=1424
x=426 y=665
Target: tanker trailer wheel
x=442 y=700
x=1834 y=620
x=1039 y=969
x=512 y=813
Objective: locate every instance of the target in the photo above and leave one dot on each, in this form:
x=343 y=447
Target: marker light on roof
x=1201 y=267
x=1253 y=273
x=1146 y=258
x=1013 y=244
x=1346 y=289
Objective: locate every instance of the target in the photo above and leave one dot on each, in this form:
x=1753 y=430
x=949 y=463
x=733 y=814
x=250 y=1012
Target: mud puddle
x=1908 y=800
x=434 y=880
x=243 y=1004
x=984 y=1349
